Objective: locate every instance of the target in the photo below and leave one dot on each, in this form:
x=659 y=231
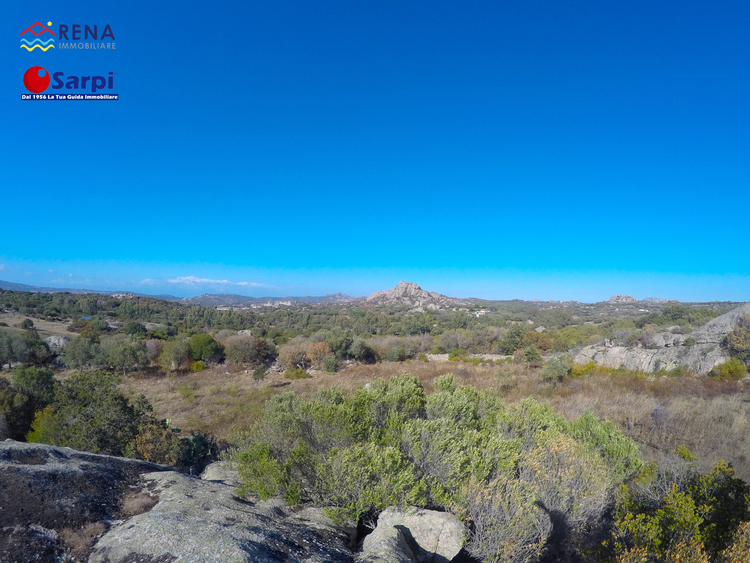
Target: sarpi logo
x=37 y=79
x=38 y=40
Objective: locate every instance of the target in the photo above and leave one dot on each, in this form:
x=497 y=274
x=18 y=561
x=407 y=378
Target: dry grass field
x=711 y=418
x=44 y=328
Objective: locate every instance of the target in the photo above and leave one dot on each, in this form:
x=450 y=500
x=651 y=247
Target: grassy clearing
x=44 y=328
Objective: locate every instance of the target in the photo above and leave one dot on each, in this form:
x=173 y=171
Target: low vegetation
x=542 y=458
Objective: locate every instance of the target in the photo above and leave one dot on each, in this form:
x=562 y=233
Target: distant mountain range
x=11 y=286
x=231 y=300
x=208 y=299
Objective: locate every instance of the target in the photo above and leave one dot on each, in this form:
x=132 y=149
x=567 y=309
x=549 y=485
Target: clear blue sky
x=509 y=149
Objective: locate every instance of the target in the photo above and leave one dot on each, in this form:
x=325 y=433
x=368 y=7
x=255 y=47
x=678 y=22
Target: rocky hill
x=410 y=294
x=699 y=351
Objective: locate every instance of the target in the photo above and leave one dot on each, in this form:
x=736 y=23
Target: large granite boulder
x=668 y=350
x=386 y=545
x=54 y=501
x=431 y=536
x=196 y=521
x=62 y=505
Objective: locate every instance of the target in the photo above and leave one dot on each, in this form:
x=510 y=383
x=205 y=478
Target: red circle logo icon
x=36 y=79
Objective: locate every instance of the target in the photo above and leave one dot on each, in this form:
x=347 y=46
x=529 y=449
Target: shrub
x=733 y=368
x=197 y=450
x=316 y=352
x=157 y=443
x=662 y=517
x=737 y=342
x=292 y=355
x=246 y=349
x=532 y=356
x=556 y=369
x=204 y=347
x=298 y=373
x=360 y=351
x=197 y=366
x=394 y=354
x=577 y=370
x=330 y=364
x=512 y=470
x=364 y=479
x=259 y=373
x=690 y=341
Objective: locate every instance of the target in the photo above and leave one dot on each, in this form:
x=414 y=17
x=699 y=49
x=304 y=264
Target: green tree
x=82 y=352
x=246 y=349
x=511 y=340
x=175 y=355
x=16 y=411
x=124 y=354
x=37 y=383
x=204 y=347
x=91 y=414
x=13 y=347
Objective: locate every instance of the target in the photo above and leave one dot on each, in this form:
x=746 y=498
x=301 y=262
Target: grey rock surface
x=196 y=521
x=45 y=489
x=57 y=342
x=222 y=472
x=669 y=350
x=386 y=545
x=433 y=537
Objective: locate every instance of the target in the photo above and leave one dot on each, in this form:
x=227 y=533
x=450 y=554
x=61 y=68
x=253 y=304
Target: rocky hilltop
x=622 y=299
x=699 y=351
x=407 y=293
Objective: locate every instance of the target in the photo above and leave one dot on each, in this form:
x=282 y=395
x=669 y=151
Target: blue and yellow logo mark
x=37 y=41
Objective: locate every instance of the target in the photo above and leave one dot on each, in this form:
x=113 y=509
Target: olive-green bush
x=511 y=470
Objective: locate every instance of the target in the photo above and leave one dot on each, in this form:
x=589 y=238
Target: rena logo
x=37 y=31
x=76 y=30
x=36 y=80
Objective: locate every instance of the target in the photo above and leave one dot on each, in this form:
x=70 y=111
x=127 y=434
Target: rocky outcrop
x=622 y=299
x=406 y=293
x=52 y=497
x=386 y=545
x=56 y=342
x=62 y=505
x=714 y=331
x=59 y=504
x=669 y=351
x=429 y=537
x=196 y=521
